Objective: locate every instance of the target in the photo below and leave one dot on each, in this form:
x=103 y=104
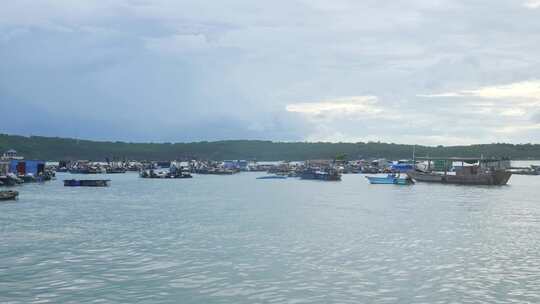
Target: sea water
x=237 y=239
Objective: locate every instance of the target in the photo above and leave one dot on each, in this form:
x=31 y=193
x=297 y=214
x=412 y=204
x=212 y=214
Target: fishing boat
x=28 y=178
x=390 y=179
x=479 y=171
x=215 y=171
x=8 y=195
x=164 y=174
x=319 y=174
x=115 y=170
x=87 y=182
x=10 y=180
x=524 y=171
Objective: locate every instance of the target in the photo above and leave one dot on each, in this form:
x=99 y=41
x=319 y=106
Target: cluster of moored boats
x=12 y=179
x=174 y=171
x=15 y=170
x=466 y=171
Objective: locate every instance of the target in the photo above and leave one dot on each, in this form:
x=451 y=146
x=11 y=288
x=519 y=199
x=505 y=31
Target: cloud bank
x=429 y=72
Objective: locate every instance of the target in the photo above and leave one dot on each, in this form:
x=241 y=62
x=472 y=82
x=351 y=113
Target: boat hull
x=9 y=181
x=320 y=176
x=8 y=195
x=388 y=180
x=272 y=177
x=496 y=178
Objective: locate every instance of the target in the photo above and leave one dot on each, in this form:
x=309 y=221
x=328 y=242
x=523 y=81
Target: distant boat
x=272 y=177
x=532 y=170
x=115 y=170
x=87 y=182
x=324 y=175
x=219 y=171
x=164 y=174
x=10 y=180
x=8 y=195
x=390 y=179
x=87 y=170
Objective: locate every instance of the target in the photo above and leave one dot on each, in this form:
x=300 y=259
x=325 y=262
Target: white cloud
x=512 y=129
x=441 y=95
x=355 y=105
x=505 y=112
x=513 y=112
x=523 y=90
x=532 y=4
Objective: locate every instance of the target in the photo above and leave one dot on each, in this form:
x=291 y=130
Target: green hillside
x=52 y=148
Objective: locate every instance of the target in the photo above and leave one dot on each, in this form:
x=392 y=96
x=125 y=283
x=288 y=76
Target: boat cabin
x=11 y=154
x=467 y=170
x=462 y=165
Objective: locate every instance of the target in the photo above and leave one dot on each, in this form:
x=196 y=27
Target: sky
x=431 y=72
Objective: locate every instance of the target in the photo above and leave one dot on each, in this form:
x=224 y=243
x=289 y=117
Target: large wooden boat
x=489 y=172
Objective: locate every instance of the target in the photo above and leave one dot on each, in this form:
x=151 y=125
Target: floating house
x=19 y=166
x=11 y=154
x=27 y=167
x=241 y=165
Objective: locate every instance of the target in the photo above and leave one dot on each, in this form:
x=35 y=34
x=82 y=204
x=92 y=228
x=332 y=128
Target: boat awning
x=461 y=159
x=401 y=167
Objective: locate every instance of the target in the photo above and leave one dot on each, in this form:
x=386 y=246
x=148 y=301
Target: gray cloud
x=190 y=70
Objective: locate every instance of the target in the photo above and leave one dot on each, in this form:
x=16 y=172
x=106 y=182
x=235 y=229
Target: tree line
x=54 y=148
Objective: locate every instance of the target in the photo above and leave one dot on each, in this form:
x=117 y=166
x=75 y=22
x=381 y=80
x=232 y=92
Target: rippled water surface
x=235 y=239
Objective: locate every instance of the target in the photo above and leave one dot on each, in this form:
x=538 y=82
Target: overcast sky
x=416 y=71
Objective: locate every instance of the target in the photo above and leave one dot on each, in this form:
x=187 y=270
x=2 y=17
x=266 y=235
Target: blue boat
x=390 y=179
x=86 y=182
x=272 y=177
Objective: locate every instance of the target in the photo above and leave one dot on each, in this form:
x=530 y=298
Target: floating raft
x=87 y=182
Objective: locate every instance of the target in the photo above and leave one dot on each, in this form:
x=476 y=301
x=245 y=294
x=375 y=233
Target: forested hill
x=52 y=148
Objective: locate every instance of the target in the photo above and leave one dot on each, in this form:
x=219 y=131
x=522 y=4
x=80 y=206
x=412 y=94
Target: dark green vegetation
x=52 y=148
